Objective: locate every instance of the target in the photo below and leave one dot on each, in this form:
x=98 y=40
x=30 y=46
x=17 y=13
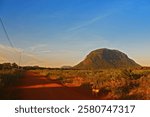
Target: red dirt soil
x=35 y=87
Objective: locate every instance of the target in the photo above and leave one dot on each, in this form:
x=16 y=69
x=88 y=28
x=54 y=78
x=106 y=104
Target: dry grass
x=113 y=84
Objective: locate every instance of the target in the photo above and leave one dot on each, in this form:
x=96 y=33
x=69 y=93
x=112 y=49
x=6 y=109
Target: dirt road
x=35 y=87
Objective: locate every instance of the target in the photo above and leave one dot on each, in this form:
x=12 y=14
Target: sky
x=63 y=32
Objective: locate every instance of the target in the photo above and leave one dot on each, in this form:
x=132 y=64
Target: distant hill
x=106 y=59
x=66 y=67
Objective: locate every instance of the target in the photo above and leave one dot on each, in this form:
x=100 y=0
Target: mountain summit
x=106 y=59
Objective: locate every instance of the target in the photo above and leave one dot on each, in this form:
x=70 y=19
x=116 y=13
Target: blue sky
x=63 y=32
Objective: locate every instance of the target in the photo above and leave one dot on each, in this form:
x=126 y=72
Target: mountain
x=106 y=59
x=66 y=67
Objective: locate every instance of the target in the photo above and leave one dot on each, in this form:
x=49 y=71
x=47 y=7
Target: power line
x=6 y=33
x=7 y=36
x=11 y=44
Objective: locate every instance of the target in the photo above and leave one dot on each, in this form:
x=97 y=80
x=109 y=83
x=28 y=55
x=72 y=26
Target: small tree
x=1 y=66
x=6 y=65
x=129 y=74
x=14 y=65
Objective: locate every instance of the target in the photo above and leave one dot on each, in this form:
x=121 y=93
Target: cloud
x=37 y=47
x=86 y=23
x=119 y=7
x=46 y=51
x=4 y=47
x=3 y=59
x=9 y=54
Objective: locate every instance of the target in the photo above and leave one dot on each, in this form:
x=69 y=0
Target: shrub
x=129 y=74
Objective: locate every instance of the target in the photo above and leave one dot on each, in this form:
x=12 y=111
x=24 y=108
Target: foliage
x=8 y=66
x=129 y=74
x=112 y=83
x=9 y=77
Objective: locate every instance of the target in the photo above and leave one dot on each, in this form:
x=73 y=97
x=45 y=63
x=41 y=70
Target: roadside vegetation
x=9 y=75
x=116 y=84
x=110 y=84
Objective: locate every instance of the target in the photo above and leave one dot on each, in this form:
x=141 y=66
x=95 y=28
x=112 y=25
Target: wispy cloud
x=37 y=47
x=89 y=22
x=118 y=8
x=46 y=51
x=4 y=47
x=9 y=54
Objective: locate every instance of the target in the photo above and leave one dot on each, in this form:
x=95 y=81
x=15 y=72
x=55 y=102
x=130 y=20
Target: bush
x=9 y=77
x=129 y=74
